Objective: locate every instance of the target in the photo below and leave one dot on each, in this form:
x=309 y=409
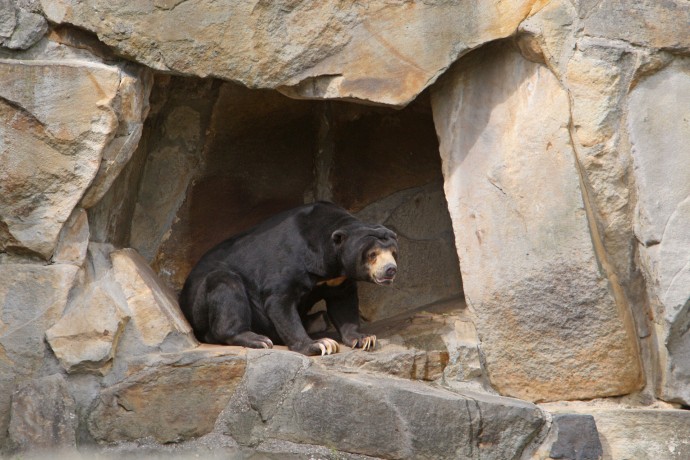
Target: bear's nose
x=391 y=271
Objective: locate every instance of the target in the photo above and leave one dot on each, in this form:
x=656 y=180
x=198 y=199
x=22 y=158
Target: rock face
x=44 y=415
x=183 y=393
x=377 y=52
x=64 y=123
x=544 y=251
x=20 y=28
x=657 y=127
x=32 y=298
x=529 y=268
x=122 y=298
x=284 y=397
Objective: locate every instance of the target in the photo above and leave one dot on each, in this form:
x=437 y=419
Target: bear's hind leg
x=229 y=312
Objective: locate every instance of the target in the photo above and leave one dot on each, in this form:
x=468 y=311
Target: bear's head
x=367 y=252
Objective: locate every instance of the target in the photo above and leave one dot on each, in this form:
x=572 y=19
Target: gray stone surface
x=577 y=438
x=640 y=433
x=658 y=126
x=32 y=298
x=412 y=420
x=637 y=22
x=44 y=415
x=29 y=29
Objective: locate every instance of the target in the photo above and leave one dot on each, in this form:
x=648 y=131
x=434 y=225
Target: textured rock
x=8 y=18
x=74 y=239
x=379 y=51
x=19 y=28
x=86 y=337
x=577 y=438
x=644 y=434
x=549 y=325
x=183 y=394
x=439 y=343
x=55 y=121
x=58 y=119
x=658 y=126
x=155 y=314
x=308 y=405
x=644 y=23
x=32 y=298
x=123 y=305
x=132 y=108
x=43 y=415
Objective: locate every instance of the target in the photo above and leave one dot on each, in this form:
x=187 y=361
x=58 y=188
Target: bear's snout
x=391 y=270
x=386 y=274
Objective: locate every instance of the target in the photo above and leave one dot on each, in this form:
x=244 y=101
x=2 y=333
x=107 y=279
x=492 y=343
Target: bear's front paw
x=365 y=342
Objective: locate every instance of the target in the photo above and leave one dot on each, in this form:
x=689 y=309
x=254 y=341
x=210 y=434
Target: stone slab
x=549 y=325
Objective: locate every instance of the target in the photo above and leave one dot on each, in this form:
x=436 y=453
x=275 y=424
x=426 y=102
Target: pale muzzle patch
x=382 y=266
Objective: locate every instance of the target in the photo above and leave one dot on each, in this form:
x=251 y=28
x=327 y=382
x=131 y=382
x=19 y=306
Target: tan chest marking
x=333 y=282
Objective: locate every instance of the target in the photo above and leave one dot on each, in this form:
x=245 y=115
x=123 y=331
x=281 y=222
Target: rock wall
x=531 y=156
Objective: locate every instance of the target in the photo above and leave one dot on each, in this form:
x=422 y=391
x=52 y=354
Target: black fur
x=260 y=284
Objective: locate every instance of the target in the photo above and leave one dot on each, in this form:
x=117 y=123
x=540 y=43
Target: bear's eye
x=395 y=254
x=372 y=256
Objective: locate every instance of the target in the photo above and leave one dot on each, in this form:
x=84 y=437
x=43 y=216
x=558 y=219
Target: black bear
x=257 y=287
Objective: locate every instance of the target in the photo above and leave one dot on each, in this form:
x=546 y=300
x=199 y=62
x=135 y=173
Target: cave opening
x=216 y=158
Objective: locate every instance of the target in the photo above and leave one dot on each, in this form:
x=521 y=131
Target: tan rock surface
x=549 y=325
x=86 y=337
x=58 y=120
x=55 y=120
x=375 y=51
x=153 y=308
x=183 y=394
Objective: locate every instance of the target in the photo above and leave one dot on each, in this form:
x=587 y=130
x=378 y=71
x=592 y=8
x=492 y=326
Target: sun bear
x=256 y=288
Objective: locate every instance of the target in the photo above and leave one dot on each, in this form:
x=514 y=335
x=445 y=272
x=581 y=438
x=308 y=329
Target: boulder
x=122 y=305
x=59 y=119
x=286 y=397
x=657 y=128
x=156 y=318
x=85 y=339
x=577 y=438
x=169 y=397
x=550 y=323
x=380 y=52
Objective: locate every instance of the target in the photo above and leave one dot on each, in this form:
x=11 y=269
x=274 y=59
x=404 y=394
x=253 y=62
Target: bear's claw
x=328 y=346
x=365 y=343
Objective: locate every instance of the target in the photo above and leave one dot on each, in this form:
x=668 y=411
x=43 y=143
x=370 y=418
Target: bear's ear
x=338 y=236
